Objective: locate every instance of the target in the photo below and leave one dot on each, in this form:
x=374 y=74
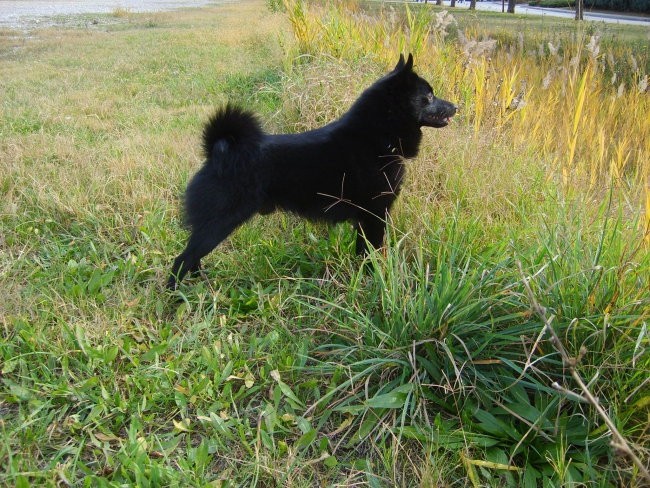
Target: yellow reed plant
x=480 y=85
x=647 y=216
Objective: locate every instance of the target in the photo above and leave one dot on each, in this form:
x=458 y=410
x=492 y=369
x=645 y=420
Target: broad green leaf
x=331 y=461
x=306 y=439
x=286 y=390
x=494 y=425
x=394 y=399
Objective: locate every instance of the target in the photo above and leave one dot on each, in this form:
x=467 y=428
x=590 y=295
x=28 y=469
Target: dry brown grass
x=101 y=127
x=101 y=117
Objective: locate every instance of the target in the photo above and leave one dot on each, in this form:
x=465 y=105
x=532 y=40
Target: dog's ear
x=400 y=63
x=404 y=66
x=409 y=63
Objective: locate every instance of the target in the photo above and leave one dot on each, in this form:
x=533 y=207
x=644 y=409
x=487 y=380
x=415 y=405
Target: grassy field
x=291 y=362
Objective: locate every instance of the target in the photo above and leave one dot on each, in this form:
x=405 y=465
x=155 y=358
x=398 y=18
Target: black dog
x=351 y=169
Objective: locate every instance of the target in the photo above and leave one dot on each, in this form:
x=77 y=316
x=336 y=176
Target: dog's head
x=426 y=109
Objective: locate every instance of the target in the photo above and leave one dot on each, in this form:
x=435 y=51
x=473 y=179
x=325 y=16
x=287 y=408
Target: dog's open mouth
x=439 y=122
x=439 y=118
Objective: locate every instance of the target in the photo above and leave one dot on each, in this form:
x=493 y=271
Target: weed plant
x=291 y=362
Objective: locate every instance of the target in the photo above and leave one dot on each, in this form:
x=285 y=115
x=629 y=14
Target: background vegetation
x=290 y=362
x=622 y=5
x=642 y=6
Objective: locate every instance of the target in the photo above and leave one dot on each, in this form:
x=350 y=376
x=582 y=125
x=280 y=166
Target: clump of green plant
x=449 y=354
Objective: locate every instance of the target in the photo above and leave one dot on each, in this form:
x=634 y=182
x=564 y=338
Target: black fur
x=348 y=170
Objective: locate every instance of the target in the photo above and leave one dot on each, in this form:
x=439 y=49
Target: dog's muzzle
x=438 y=114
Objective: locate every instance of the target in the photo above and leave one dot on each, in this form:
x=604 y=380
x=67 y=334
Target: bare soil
x=21 y=14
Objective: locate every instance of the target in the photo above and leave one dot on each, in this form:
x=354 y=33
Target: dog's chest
x=390 y=169
x=406 y=145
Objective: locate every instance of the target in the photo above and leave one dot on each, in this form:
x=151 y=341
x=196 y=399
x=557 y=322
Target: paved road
x=613 y=17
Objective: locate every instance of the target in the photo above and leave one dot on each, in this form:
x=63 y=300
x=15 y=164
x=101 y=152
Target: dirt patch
x=26 y=14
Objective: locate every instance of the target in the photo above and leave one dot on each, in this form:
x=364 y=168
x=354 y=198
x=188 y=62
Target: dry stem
x=618 y=441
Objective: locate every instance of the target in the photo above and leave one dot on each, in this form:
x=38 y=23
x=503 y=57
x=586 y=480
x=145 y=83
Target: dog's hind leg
x=203 y=240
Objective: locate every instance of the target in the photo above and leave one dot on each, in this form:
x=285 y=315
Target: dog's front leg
x=371 y=231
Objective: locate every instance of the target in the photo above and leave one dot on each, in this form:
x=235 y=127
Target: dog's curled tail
x=229 y=127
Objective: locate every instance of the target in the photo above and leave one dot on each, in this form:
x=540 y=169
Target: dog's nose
x=456 y=108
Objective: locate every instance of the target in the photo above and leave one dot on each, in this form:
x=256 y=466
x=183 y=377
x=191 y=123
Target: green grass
x=291 y=362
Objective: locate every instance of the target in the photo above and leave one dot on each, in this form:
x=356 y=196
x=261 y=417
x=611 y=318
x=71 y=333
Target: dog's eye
x=430 y=97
